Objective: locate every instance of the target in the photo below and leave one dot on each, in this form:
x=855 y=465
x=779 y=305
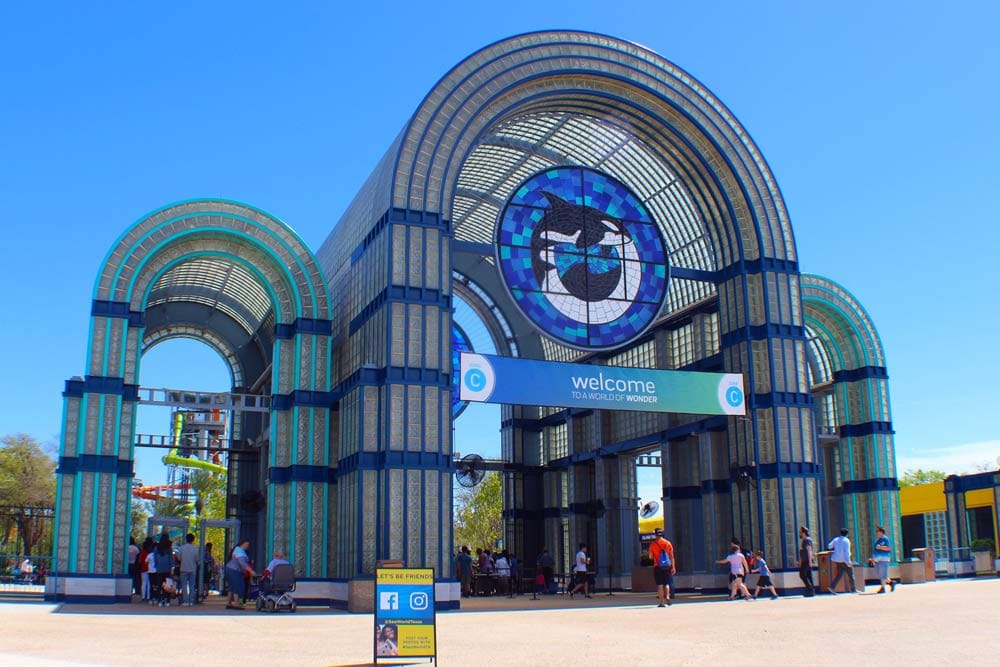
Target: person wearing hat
x=661 y=551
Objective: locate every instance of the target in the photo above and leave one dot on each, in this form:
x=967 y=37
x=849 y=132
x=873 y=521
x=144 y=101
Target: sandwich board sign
x=404 y=614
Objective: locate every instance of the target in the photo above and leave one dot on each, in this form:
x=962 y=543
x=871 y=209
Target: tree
x=27 y=487
x=478 y=513
x=920 y=476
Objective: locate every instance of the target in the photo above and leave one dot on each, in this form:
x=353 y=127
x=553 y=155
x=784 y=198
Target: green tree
x=27 y=487
x=920 y=476
x=478 y=513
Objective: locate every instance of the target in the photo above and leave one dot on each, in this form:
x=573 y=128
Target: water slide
x=174 y=459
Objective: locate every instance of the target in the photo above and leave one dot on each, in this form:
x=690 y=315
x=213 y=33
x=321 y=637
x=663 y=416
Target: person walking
x=880 y=559
x=805 y=562
x=738 y=569
x=580 y=572
x=188 y=570
x=661 y=551
x=764 y=578
x=841 y=559
x=238 y=566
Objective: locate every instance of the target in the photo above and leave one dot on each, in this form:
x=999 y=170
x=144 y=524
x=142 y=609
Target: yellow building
x=949 y=516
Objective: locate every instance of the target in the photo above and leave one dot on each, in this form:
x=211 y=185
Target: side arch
x=230 y=275
x=852 y=392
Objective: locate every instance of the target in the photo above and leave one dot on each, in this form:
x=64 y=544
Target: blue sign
x=511 y=381
x=404 y=613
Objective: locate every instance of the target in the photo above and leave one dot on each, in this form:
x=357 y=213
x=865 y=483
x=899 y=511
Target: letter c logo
x=475 y=379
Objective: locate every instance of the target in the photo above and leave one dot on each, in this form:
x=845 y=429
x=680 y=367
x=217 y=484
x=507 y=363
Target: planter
x=984 y=562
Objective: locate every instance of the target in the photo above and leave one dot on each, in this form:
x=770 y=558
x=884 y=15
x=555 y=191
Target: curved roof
x=533 y=99
x=835 y=319
x=218 y=283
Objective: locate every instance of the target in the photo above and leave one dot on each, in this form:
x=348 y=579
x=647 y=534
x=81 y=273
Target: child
x=764 y=580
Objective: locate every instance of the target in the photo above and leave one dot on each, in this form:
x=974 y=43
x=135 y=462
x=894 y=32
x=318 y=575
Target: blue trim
x=783 y=399
x=761 y=332
x=681 y=492
x=693 y=274
x=786 y=469
x=866 y=428
x=119 y=309
x=975 y=482
x=753 y=266
x=303 y=325
x=852 y=486
x=302 y=473
x=397 y=294
x=394 y=459
x=100 y=384
x=88 y=599
x=71 y=465
x=716 y=486
x=303 y=398
x=863 y=373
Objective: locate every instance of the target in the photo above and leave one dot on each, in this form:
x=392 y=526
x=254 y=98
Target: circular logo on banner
x=731 y=397
x=478 y=378
x=582 y=258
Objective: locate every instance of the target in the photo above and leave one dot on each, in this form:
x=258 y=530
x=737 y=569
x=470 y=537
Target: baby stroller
x=275 y=588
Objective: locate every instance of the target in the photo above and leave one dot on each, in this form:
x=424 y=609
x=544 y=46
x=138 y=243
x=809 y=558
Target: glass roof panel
x=218 y=283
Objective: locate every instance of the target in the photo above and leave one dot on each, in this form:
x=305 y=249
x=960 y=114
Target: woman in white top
x=738 y=569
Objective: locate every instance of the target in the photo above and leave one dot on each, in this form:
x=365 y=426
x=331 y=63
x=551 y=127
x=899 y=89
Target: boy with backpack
x=661 y=551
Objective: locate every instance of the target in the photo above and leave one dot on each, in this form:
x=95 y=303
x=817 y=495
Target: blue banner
x=511 y=381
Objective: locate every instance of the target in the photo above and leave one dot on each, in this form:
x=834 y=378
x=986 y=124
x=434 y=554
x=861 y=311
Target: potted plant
x=982 y=553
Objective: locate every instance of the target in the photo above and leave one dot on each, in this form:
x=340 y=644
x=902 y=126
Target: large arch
x=737 y=291
x=243 y=282
x=850 y=381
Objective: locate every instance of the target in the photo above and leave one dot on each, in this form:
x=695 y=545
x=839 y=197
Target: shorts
x=764 y=581
x=734 y=577
x=235 y=580
x=581 y=578
x=662 y=576
x=882 y=570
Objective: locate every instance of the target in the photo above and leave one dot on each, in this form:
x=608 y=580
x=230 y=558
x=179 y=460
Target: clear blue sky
x=879 y=121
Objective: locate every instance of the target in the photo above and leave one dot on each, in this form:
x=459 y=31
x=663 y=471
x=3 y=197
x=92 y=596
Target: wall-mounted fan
x=470 y=471
x=649 y=509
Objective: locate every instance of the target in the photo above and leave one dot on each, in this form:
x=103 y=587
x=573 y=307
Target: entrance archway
x=243 y=282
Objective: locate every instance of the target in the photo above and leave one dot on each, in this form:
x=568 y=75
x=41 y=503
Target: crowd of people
x=486 y=573
x=741 y=563
x=163 y=574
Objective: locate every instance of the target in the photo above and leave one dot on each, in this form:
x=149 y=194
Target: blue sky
x=879 y=124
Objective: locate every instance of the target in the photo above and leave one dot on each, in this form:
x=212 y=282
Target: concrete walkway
x=947 y=622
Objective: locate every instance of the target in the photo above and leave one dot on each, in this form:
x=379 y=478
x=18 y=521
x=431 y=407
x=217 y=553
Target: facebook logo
x=388 y=601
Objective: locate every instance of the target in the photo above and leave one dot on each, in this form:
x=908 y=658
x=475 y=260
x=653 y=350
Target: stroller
x=275 y=589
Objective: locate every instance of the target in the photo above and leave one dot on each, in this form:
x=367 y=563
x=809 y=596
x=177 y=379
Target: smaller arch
x=830 y=304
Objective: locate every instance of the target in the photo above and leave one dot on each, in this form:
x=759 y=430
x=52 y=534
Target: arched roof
x=840 y=332
x=543 y=97
x=219 y=271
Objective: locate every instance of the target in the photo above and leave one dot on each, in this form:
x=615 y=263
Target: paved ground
x=945 y=623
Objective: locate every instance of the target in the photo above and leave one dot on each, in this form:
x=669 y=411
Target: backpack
x=664 y=559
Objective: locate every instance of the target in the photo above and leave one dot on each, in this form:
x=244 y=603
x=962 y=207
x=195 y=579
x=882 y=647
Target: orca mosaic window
x=582 y=258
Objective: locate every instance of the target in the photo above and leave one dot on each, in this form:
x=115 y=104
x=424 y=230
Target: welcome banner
x=491 y=379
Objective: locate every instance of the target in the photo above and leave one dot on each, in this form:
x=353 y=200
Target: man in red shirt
x=664 y=566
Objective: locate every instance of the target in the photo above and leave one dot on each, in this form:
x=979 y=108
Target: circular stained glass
x=582 y=258
x=459 y=343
